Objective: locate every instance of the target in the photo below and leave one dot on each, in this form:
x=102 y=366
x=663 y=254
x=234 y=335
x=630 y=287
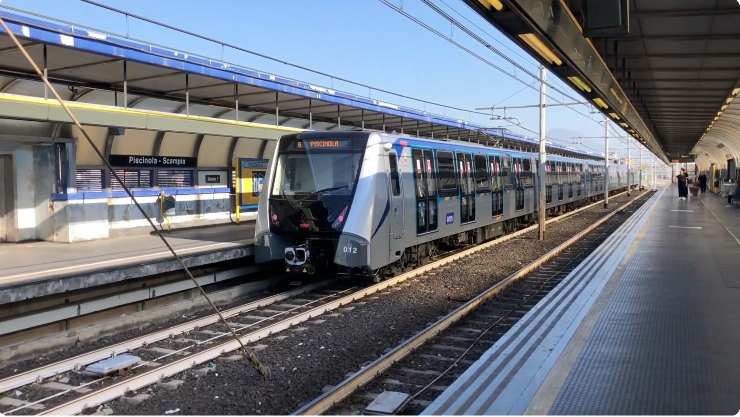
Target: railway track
x=425 y=364
x=168 y=352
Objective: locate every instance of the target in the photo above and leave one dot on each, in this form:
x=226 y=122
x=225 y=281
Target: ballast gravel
x=320 y=353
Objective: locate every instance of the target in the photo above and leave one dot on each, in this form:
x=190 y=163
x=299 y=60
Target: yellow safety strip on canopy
x=15 y=98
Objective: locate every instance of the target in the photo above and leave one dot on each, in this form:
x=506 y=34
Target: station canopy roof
x=666 y=79
x=87 y=59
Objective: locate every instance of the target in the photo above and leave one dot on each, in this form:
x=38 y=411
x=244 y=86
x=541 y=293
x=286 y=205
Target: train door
x=570 y=167
x=529 y=178
x=395 y=200
x=548 y=182
x=6 y=195
x=506 y=178
x=426 y=190
x=467 y=189
x=518 y=184
x=561 y=179
x=482 y=181
x=497 y=193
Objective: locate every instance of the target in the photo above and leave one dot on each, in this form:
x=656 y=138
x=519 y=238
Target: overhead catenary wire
x=249 y=353
x=275 y=59
x=521 y=55
x=488 y=46
x=507 y=58
x=364 y=85
x=471 y=52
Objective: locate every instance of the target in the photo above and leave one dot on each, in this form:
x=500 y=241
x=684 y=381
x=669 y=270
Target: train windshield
x=317 y=166
x=314 y=182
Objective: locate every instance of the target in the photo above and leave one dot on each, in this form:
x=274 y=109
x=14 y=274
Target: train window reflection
x=316 y=173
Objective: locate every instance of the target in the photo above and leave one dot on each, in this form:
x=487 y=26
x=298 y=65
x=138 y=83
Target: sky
x=360 y=40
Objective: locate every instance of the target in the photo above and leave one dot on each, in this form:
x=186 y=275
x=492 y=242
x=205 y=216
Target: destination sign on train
x=322 y=144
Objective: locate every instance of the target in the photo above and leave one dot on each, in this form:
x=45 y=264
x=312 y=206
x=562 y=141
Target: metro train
x=371 y=203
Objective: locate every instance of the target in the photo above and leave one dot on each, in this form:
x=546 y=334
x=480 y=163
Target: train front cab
x=313 y=186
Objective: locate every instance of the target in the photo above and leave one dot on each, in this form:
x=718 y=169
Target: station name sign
x=148 y=161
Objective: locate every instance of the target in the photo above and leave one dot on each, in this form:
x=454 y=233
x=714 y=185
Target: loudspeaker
x=605 y=18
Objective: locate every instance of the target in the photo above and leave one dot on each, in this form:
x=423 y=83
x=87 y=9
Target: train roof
x=455 y=145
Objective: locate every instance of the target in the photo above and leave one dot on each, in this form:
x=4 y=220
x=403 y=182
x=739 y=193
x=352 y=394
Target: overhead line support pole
x=542 y=156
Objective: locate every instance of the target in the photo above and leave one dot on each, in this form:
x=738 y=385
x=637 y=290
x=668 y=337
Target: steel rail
x=181 y=351
x=116 y=390
x=38 y=374
x=328 y=399
x=89 y=306
x=76 y=362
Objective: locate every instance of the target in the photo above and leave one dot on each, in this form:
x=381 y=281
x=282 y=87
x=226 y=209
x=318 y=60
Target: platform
x=647 y=324
x=30 y=270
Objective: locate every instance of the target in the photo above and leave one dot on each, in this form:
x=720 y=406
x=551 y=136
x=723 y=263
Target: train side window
x=481 y=174
x=419 y=173
x=446 y=171
x=467 y=190
x=426 y=200
x=495 y=168
x=395 y=180
x=505 y=169
x=431 y=174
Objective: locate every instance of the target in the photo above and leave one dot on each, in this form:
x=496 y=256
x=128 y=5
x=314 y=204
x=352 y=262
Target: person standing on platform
x=703 y=182
x=732 y=195
x=683 y=187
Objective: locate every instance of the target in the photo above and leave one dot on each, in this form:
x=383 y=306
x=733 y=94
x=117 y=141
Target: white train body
x=336 y=200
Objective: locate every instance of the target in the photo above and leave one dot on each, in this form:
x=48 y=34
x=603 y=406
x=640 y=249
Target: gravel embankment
x=323 y=351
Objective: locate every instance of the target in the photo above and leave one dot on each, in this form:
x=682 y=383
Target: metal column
x=639 y=184
x=125 y=85
x=236 y=101
x=629 y=167
x=46 y=72
x=606 y=162
x=187 y=94
x=543 y=157
x=277 y=109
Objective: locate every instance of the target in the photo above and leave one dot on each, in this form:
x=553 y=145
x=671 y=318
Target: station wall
x=28 y=193
x=68 y=196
